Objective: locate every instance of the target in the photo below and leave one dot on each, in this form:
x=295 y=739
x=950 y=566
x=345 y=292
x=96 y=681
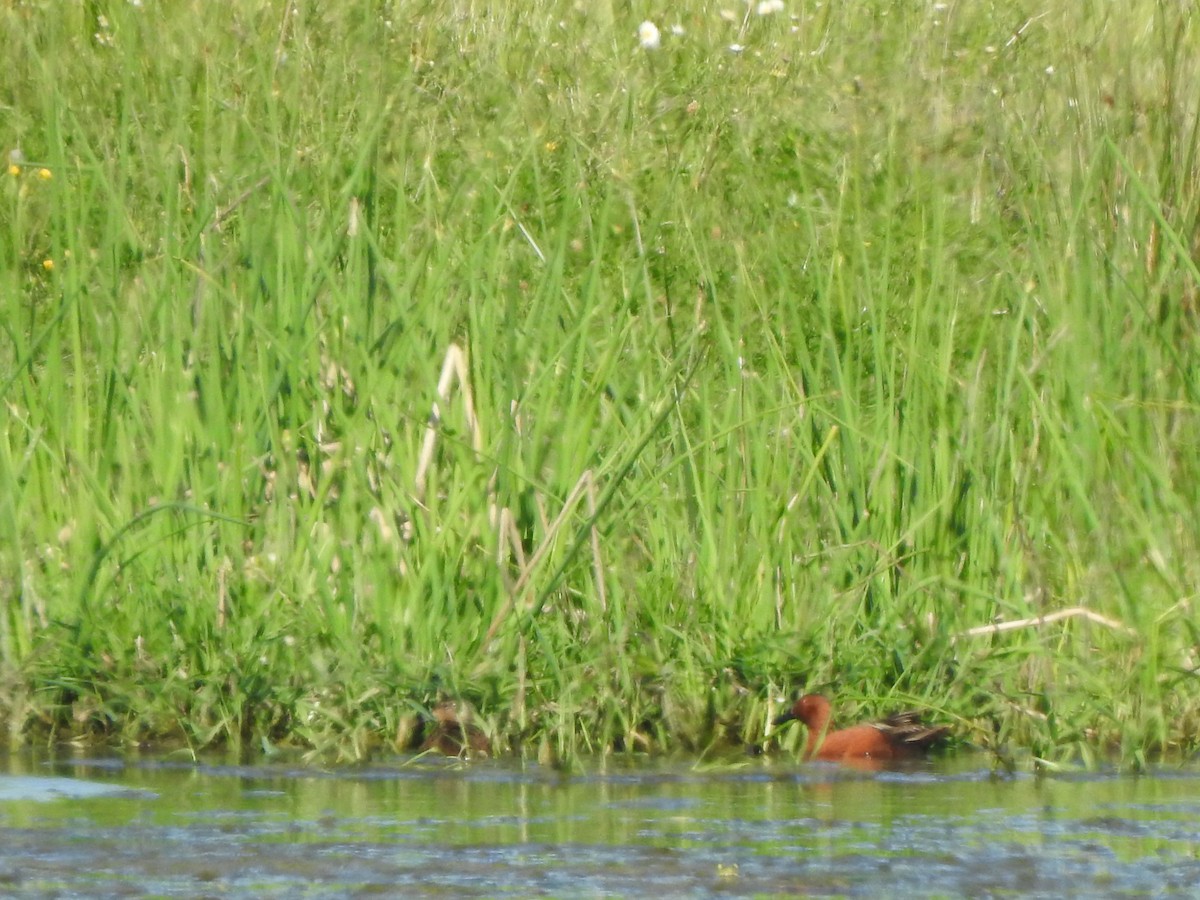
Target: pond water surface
x=101 y=827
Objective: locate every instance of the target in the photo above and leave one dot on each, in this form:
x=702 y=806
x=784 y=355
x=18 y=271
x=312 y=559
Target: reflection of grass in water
x=875 y=332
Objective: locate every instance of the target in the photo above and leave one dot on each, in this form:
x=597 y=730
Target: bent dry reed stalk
x=810 y=348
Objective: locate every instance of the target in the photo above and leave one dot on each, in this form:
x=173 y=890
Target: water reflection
x=436 y=828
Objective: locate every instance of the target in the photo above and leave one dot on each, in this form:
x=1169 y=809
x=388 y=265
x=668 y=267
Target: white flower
x=648 y=36
x=736 y=48
x=770 y=7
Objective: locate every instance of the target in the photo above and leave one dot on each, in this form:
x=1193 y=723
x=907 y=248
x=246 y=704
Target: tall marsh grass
x=356 y=357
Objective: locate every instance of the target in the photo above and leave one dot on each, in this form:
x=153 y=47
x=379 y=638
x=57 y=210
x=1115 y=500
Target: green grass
x=880 y=330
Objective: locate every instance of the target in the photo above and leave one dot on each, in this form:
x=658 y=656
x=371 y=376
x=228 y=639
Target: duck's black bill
x=784 y=719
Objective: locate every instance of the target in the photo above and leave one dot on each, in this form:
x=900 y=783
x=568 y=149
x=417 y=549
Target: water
x=435 y=828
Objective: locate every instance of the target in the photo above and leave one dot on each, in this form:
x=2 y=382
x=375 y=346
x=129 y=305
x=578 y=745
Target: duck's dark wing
x=907 y=728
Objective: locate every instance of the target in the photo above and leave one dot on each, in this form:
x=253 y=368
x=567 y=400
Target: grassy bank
x=793 y=352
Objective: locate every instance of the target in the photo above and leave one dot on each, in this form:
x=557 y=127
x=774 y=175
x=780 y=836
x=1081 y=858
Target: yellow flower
x=48 y=265
x=14 y=170
x=45 y=174
x=551 y=146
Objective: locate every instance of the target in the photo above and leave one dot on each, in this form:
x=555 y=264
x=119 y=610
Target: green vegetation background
x=798 y=350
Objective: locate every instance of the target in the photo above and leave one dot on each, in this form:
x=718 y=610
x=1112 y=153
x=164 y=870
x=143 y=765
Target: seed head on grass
x=649 y=36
